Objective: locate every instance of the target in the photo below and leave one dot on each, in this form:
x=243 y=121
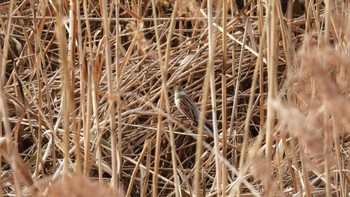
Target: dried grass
x=79 y=103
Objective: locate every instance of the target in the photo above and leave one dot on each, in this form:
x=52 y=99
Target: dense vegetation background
x=87 y=98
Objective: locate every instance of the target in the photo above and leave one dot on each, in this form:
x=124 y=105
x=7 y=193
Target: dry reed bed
x=77 y=104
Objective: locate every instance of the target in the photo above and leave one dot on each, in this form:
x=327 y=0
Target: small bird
x=188 y=108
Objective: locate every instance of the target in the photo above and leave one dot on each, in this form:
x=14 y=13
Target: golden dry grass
x=83 y=107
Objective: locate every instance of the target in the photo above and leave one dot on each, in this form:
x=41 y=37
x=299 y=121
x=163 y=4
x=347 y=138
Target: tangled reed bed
x=79 y=101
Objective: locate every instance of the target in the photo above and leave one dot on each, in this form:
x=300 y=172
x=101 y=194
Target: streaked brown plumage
x=187 y=107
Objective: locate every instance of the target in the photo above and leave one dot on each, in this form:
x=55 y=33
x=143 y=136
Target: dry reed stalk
x=272 y=38
x=82 y=67
x=224 y=97
x=87 y=103
x=116 y=158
